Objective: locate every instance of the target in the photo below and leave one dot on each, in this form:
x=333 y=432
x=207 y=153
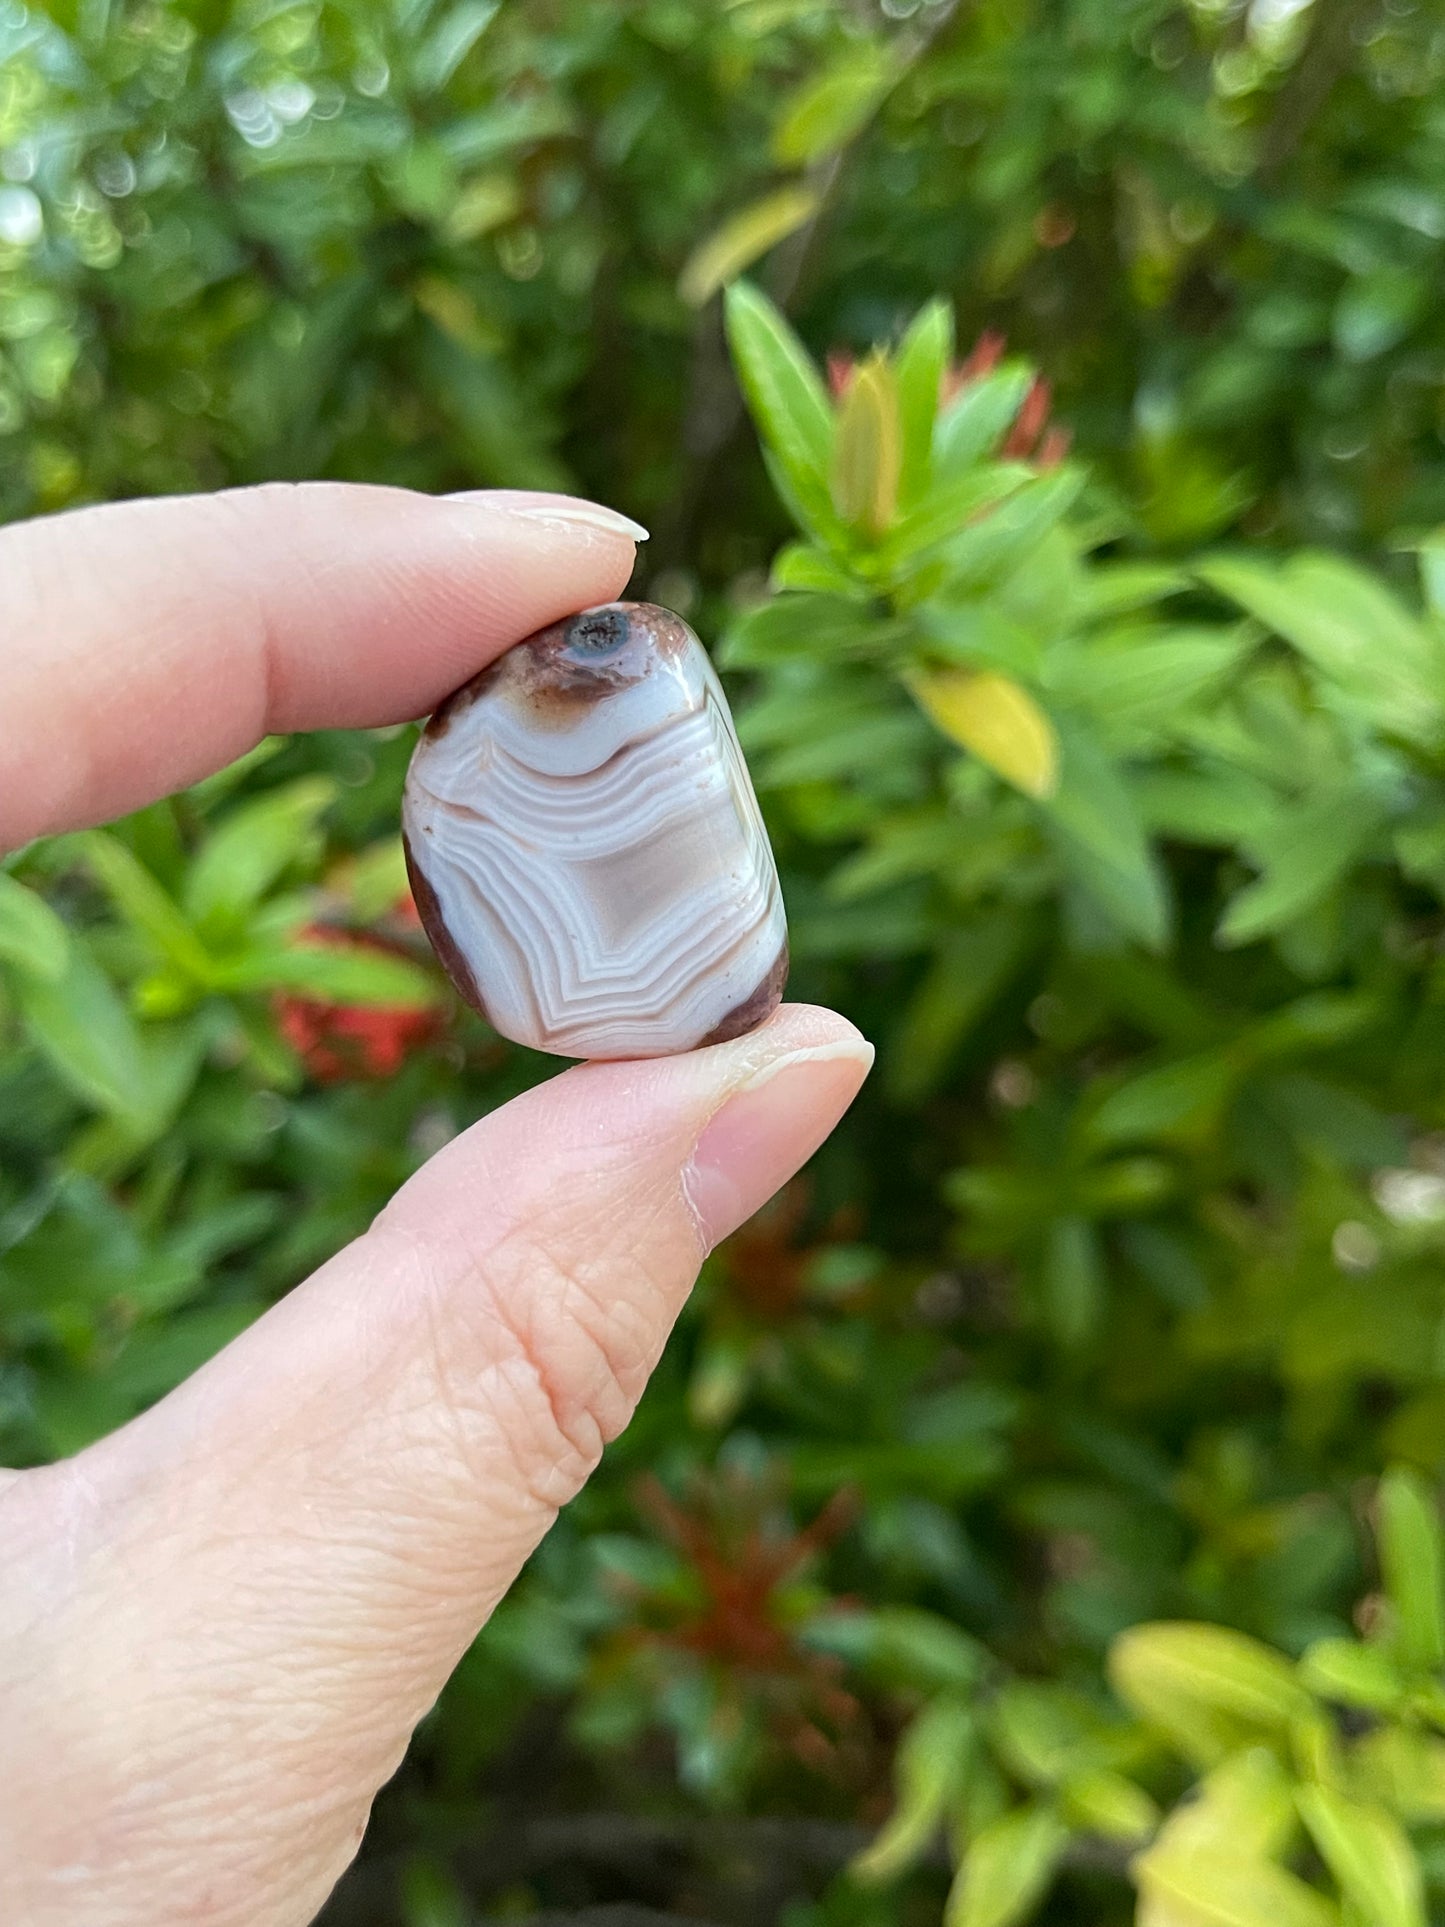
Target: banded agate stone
x=585 y=847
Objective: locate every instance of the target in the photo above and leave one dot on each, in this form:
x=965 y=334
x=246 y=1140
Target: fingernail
x=571 y=511
x=767 y=1128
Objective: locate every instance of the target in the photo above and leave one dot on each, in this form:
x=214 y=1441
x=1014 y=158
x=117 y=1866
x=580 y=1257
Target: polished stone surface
x=585 y=847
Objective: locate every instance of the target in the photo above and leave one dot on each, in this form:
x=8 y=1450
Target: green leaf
x=831 y=107
x=784 y=392
x=1116 y=588
x=743 y=238
x=1304 y=853
x=80 y=1024
x=1101 y=842
x=376 y=880
x=1072 y=1281
x=997 y=720
x=503 y=125
x=1044 y=1733
x=1408 y=1527
x=1352 y=1675
x=901 y=1646
x=928 y=1771
x=216 y=787
x=1220 y=806
x=253 y=845
x=449 y=43
x=1223 y=1889
x=1432 y=571
x=948 y=508
x=1370 y=1856
x=890 y=739
x=332 y=974
x=823 y=627
x=975 y=963
x=1007 y=1869
x=143 y=903
x=1174 y=1103
x=808 y=503
x=32 y=936
x=1375 y=654
x=1206 y=1688
x=1315 y=1022
x=978 y=418
x=868 y=449
x=1110 y=1805
x=1404 y=1770
x=919 y=365
x=800 y=565
x=1140 y=674
x=160 y=1355
x=1007 y=537
x=1378 y=310
x=1244 y=1808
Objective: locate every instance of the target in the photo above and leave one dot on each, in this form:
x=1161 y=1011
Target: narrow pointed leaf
x=978 y=419
x=1007 y=1869
x=1223 y=1889
x=1198 y=1684
x=81 y=1025
x=868 y=449
x=1410 y=1556
x=931 y=1762
x=252 y=847
x=1352 y=1674
x=996 y=719
x=1375 y=654
x=783 y=389
x=831 y=107
x=1102 y=845
x=1370 y=1856
x=333 y=974
x=1111 y=1805
x=743 y=238
x=143 y=903
x=32 y=936
x=923 y=356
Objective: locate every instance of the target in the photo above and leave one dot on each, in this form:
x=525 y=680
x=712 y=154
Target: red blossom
x=343 y=1042
x=1054 y=227
x=739 y=1571
x=981 y=359
x=841 y=370
x=741 y=1556
x=1053 y=448
x=1031 y=439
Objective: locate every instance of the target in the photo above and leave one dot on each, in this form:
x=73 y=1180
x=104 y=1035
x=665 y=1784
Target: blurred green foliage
x=1019 y=1469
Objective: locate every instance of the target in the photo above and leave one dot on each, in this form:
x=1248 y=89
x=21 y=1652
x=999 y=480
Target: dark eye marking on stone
x=598 y=632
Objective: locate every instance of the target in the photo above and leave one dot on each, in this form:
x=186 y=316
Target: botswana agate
x=585 y=847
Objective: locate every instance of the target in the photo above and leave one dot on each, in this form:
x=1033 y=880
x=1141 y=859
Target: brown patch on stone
x=558 y=686
x=447 y=711
x=757 y=1008
x=439 y=936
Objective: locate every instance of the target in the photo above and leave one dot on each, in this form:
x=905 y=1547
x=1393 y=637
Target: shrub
x=1107 y=783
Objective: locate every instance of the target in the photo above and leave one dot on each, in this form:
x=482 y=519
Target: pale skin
x=219 y=1626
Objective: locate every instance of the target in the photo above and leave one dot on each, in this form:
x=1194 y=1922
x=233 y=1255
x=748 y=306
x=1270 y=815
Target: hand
x=219 y=1626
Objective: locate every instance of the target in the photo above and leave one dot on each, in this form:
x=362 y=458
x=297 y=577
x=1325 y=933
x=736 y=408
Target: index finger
x=145 y=644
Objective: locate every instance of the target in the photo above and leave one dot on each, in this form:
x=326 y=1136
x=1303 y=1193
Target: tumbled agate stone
x=585 y=847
